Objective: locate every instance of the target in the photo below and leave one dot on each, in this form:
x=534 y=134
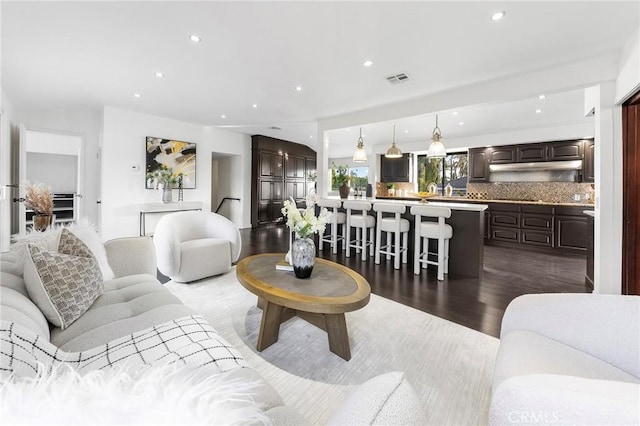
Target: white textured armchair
x=568 y=359
x=193 y=245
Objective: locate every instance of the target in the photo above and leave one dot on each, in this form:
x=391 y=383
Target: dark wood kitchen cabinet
x=279 y=170
x=270 y=164
x=531 y=153
x=560 y=228
x=294 y=167
x=478 y=165
x=395 y=169
x=571 y=228
x=566 y=150
x=588 y=167
x=500 y=154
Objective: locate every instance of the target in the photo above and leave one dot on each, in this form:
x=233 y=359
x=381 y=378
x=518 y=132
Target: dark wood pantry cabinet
x=279 y=170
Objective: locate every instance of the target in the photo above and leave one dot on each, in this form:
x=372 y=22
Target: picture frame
x=177 y=155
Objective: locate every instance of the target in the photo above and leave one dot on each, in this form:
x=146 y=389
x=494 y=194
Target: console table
x=151 y=208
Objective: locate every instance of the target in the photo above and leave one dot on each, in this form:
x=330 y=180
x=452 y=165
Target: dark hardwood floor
x=475 y=303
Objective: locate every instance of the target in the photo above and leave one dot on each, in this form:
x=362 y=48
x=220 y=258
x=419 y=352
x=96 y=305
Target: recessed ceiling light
x=406 y=131
x=367 y=63
x=194 y=38
x=461 y=123
x=298 y=88
x=498 y=15
x=159 y=74
x=542 y=96
x=538 y=111
x=310 y=136
x=136 y=95
x=223 y=116
x=454 y=113
x=254 y=105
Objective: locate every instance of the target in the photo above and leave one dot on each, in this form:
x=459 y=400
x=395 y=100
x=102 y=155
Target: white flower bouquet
x=305 y=223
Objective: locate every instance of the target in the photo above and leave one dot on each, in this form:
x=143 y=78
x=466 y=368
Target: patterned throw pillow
x=64 y=284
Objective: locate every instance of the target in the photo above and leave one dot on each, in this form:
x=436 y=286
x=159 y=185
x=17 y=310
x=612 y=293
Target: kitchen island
x=466 y=248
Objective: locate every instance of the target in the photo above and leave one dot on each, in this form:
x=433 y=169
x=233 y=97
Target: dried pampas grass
x=39 y=198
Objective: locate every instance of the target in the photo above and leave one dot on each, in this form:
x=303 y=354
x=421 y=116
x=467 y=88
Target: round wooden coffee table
x=322 y=299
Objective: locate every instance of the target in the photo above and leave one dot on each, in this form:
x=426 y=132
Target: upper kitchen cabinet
x=395 y=169
x=479 y=164
x=588 y=172
x=566 y=150
x=531 y=153
x=501 y=154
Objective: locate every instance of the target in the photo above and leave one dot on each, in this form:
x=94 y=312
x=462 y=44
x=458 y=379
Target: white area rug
x=449 y=365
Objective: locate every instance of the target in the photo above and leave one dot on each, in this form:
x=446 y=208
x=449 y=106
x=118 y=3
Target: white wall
x=81 y=121
x=123 y=146
x=5 y=171
x=628 y=81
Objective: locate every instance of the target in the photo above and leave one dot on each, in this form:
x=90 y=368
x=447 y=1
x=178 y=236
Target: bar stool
x=335 y=218
x=393 y=227
x=361 y=222
x=431 y=230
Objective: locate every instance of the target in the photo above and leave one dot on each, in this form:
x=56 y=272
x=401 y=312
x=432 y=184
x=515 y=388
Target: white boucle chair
x=193 y=245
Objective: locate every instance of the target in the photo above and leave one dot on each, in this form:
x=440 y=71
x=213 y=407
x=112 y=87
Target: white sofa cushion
x=127 y=305
x=19 y=309
x=524 y=352
x=564 y=400
x=383 y=400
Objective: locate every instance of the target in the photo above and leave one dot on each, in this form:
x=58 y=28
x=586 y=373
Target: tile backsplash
x=402 y=189
x=551 y=192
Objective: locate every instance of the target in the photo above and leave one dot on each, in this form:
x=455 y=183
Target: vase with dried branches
x=39 y=198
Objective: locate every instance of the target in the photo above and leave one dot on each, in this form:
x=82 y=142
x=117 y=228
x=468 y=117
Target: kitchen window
x=359 y=178
x=442 y=171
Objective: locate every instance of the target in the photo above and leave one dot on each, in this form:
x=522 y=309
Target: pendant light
x=436 y=149
x=393 y=151
x=360 y=156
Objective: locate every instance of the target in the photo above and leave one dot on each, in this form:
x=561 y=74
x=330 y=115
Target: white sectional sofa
x=136 y=321
x=568 y=359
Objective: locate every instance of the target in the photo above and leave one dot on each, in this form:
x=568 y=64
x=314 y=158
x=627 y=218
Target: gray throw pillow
x=64 y=284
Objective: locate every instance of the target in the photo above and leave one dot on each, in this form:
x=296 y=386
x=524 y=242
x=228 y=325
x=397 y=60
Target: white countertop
x=453 y=206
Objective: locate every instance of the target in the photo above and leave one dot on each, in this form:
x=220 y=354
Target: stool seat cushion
x=340 y=218
x=357 y=221
x=388 y=224
x=430 y=230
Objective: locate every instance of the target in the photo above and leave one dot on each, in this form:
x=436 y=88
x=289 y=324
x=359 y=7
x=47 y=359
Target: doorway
x=55 y=159
x=226 y=186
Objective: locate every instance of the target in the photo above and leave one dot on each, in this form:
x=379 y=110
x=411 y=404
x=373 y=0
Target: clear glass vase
x=167 y=193
x=303 y=256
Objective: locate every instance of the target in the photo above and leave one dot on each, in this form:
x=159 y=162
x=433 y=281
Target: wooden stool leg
x=270 y=325
x=338 y=336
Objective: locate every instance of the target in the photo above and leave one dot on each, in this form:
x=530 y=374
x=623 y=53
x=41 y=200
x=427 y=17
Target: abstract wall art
x=177 y=155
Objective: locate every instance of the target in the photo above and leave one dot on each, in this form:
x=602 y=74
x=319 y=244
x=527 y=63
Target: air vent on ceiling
x=398 y=78
x=274 y=128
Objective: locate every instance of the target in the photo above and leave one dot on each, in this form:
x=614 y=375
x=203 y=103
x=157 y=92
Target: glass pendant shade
x=360 y=156
x=436 y=149
x=393 y=151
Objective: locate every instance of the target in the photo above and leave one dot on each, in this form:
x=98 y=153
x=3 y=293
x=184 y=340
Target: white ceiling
x=60 y=54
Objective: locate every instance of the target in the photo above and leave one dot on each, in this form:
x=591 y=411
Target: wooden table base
x=334 y=324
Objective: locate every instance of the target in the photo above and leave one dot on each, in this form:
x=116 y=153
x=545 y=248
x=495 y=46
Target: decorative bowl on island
x=423 y=195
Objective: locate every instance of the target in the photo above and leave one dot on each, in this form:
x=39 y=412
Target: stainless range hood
x=540 y=166
x=546 y=171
